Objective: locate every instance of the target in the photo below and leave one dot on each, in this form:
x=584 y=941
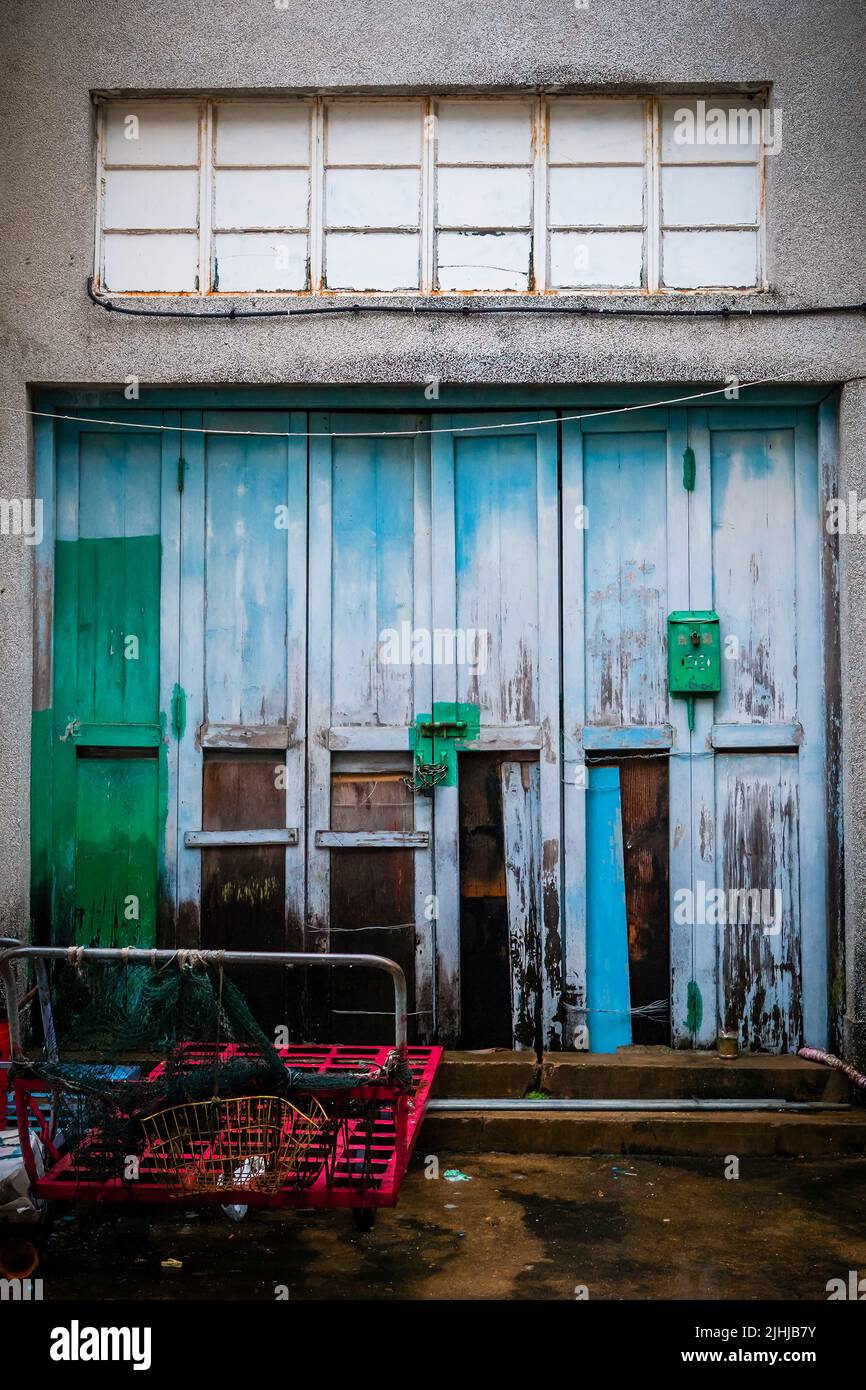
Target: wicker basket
x=257 y=1143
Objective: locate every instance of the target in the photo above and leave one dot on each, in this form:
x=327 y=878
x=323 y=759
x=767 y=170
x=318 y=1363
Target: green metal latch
x=435 y=739
x=442 y=728
x=694 y=655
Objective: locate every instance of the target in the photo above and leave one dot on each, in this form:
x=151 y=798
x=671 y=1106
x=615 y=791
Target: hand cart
x=344 y=1140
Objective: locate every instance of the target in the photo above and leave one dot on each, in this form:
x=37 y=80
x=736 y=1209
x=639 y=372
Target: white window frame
x=210 y=169
x=651 y=199
x=535 y=165
x=320 y=170
x=203 y=164
x=540 y=223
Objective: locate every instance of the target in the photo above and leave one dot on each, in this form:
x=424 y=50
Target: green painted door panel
x=117 y=634
x=116 y=825
x=108 y=797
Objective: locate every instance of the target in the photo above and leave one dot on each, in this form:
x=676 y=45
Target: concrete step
x=650 y=1073
x=706 y=1134
x=494 y=1074
x=664 y=1074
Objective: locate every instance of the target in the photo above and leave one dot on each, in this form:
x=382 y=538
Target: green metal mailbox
x=694 y=655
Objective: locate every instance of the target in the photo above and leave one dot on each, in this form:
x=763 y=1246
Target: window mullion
x=653 y=211
x=317 y=195
x=760 y=216
x=428 y=197
x=205 y=198
x=539 y=196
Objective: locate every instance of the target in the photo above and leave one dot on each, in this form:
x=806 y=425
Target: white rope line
x=551 y=419
x=393 y=926
x=379 y=1013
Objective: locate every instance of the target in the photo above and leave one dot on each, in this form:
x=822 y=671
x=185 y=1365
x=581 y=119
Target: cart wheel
x=364 y=1218
x=18 y=1259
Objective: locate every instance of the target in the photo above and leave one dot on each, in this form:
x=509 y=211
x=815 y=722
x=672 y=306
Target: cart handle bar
x=136 y=956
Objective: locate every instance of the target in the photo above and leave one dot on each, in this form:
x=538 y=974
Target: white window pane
x=262 y=133
x=151 y=132
x=704 y=131
x=484 y=197
x=695 y=197
x=483 y=261
x=372 y=198
x=484 y=132
x=596 y=132
x=596 y=197
x=371 y=261
x=261 y=197
x=153 y=262
x=588 y=259
x=696 y=260
x=370 y=132
x=151 y=198
x=260 y=261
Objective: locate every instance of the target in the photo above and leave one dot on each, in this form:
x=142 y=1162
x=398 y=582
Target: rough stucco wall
x=62 y=50
x=59 y=51
x=16 y=629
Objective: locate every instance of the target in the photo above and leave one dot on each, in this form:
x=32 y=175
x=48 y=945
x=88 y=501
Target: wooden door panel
x=372 y=904
x=496 y=584
x=243 y=889
x=485 y=974
x=109 y=759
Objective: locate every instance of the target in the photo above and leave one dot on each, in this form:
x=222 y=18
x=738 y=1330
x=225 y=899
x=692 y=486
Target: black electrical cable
x=469 y=310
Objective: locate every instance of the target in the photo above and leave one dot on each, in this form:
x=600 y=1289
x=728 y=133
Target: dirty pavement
x=511 y=1227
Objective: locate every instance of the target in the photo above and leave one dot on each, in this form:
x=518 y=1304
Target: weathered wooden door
x=759 y=821
x=495 y=518
x=746 y=787
x=433 y=595
x=370 y=873
x=101 y=815
x=249 y=628
x=241 y=695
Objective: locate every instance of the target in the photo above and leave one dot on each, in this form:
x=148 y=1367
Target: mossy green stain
x=694 y=1007
x=178 y=711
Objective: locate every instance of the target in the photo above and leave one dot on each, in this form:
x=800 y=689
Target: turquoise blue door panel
x=626 y=578
x=608 y=994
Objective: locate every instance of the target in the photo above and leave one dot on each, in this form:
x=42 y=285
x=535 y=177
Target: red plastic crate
x=394 y=1132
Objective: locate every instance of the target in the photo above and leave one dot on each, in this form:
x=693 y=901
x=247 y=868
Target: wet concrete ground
x=521 y=1228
